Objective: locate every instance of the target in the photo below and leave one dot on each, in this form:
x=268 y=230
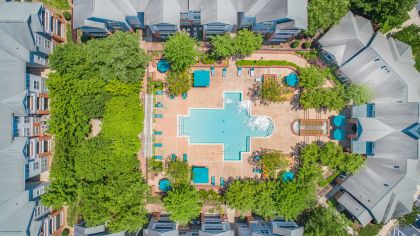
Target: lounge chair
x=184 y=96
x=158 y=115
x=157 y=145
x=239 y=71
x=157 y=157
x=212 y=71
x=159 y=93
x=258 y=79
x=224 y=72
x=257 y=158
x=222 y=181
x=185 y=157
x=251 y=72
x=173 y=157
x=159 y=104
x=158 y=132
x=171 y=97
x=213 y=180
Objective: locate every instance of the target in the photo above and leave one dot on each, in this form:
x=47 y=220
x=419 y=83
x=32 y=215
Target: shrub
x=65 y=232
x=306 y=45
x=295 y=44
x=67 y=15
x=178 y=83
x=272 y=91
x=180 y=51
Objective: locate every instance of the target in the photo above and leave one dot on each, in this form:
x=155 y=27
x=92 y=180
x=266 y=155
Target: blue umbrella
x=339 y=134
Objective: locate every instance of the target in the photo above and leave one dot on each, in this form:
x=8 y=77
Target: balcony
x=44 y=45
x=33 y=168
x=38 y=59
x=41 y=211
x=36 y=188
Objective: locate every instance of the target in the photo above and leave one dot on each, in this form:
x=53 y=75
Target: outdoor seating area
x=311 y=127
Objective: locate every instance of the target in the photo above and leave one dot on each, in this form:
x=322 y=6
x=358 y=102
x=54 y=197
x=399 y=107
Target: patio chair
x=213 y=72
x=239 y=71
x=224 y=72
x=173 y=157
x=158 y=115
x=159 y=104
x=172 y=97
x=251 y=72
x=159 y=93
x=158 y=132
x=157 y=157
x=157 y=145
x=185 y=157
x=184 y=96
x=213 y=181
x=257 y=158
x=222 y=181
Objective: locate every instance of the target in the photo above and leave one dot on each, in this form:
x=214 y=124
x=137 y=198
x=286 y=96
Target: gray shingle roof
x=220 y=11
x=162 y=11
x=347 y=38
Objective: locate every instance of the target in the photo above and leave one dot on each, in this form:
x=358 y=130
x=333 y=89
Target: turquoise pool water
x=231 y=126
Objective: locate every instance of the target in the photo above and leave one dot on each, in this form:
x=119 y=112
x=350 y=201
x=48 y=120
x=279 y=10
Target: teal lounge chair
x=213 y=180
x=158 y=115
x=157 y=157
x=159 y=104
x=159 y=93
x=257 y=158
x=239 y=71
x=173 y=156
x=185 y=158
x=224 y=72
x=158 y=132
x=222 y=181
x=172 y=97
x=213 y=72
x=157 y=145
x=184 y=96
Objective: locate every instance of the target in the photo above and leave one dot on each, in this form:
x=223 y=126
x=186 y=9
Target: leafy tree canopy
x=246 y=42
x=273 y=91
x=410 y=35
x=323 y=14
x=387 y=13
x=311 y=77
x=325 y=221
x=222 y=46
x=178 y=82
x=273 y=161
x=180 y=51
x=241 y=195
x=183 y=204
x=178 y=172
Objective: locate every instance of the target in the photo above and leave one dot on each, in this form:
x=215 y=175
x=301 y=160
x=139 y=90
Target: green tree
x=155 y=166
x=359 y=94
x=325 y=221
x=409 y=218
x=264 y=202
x=273 y=91
x=323 y=14
x=222 y=46
x=410 y=35
x=178 y=172
x=180 y=51
x=241 y=195
x=246 y=42
x=333 y=99
x=273 y=161
x=387 y=13
x=178 y=82
x=183 y=204
x=370 y=229
x=311 y=77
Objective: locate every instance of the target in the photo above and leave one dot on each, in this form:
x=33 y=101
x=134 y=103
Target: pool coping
x=223 y=145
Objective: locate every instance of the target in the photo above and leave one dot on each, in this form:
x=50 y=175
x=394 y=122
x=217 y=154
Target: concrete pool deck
x=211 y=156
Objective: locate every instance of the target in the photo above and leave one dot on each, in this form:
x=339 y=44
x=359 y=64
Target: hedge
x=265 y=63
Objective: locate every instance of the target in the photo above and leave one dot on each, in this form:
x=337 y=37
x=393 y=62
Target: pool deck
x=211 y=156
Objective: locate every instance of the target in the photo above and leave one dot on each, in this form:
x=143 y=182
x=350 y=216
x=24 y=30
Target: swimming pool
x=231 y=126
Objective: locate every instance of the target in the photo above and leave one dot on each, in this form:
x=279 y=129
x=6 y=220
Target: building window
x=36 y=165
x=26 y=119
x=36 y=85
x=36 y=130
x=44 y=163
x=27 y=132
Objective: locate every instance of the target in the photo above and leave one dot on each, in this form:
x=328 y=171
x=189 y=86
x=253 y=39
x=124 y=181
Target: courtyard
x=165 y=124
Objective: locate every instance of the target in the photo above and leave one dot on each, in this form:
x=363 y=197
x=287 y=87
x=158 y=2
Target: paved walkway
x=414 y=19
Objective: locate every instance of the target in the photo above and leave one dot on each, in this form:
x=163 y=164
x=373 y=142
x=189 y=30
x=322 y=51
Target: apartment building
x=277 y=20
x=387 y=130
x=255 y=226
x=28 y=32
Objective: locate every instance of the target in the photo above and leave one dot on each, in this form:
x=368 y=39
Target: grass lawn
x=59 y=4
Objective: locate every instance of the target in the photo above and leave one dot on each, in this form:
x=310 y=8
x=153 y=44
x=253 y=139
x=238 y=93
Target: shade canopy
x=164 y=185
x=339 y=134
x=288 y=176
x=339 y=120
x=163 y=66
x=200 y=175
x=292 y=80
x=201 y=78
